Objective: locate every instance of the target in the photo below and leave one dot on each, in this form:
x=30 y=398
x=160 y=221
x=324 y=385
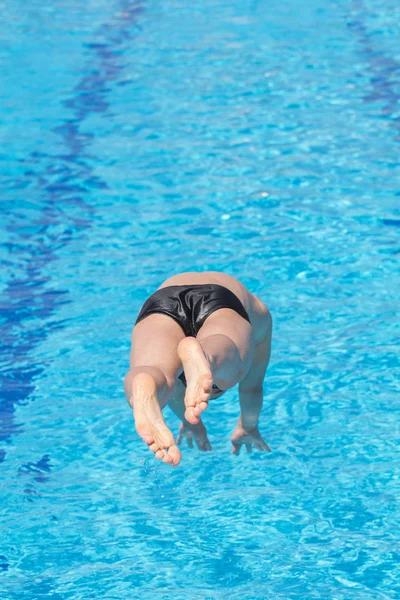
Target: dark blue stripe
x=391 y=222
x=72 y=179
x=385 y=70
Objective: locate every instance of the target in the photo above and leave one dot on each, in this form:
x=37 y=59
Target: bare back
x=256 y=309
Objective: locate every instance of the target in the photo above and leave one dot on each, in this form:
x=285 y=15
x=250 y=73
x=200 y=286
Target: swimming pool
x=146 y=138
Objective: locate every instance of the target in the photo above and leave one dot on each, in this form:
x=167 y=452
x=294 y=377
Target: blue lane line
x=385 y=70
x=28 y=295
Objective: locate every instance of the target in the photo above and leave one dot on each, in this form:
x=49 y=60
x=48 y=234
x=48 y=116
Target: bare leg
x=150 y=381
x=221 y=353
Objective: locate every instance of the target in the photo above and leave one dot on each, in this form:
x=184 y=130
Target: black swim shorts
x=190 y=305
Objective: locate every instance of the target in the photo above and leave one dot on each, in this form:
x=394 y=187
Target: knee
x=143 y=379
x=221 y=344
x=239 y=357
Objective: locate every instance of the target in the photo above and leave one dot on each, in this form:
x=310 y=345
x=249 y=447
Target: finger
x=160 y=454
x=236 y=448
x=259 y=446
x=189 y=438
x=179 y=439
x=203 y=445
x=266 y=447
x=249 y=449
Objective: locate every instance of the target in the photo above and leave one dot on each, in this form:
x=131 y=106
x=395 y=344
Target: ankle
x=143 y=384
x=185 y=344
x=151 y=381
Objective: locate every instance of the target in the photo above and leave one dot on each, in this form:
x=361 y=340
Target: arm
x=251 y=399
x=251 y=387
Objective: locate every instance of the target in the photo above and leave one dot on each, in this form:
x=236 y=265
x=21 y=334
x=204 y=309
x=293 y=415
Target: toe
x=207 y=384
x=167 y=459
x=197 y=410
x=175 y=455
x=191 y=416
x=189 y=400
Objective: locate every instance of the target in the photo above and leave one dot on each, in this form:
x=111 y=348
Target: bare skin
x=228 y=350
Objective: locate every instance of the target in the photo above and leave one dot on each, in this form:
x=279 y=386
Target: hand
x=249 y=437
x=197 y=432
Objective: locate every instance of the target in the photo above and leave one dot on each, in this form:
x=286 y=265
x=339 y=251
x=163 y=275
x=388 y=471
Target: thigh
x=226 y=321
x=155 y=343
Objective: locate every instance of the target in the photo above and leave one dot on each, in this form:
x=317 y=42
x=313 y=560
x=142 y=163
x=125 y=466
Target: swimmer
x=197 y=336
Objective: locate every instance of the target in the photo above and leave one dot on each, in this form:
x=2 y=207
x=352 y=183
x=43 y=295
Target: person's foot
x=149 y=421
x=198 y=378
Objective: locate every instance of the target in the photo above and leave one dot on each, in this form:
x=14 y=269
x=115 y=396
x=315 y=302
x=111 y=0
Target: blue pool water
x=140 y=139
